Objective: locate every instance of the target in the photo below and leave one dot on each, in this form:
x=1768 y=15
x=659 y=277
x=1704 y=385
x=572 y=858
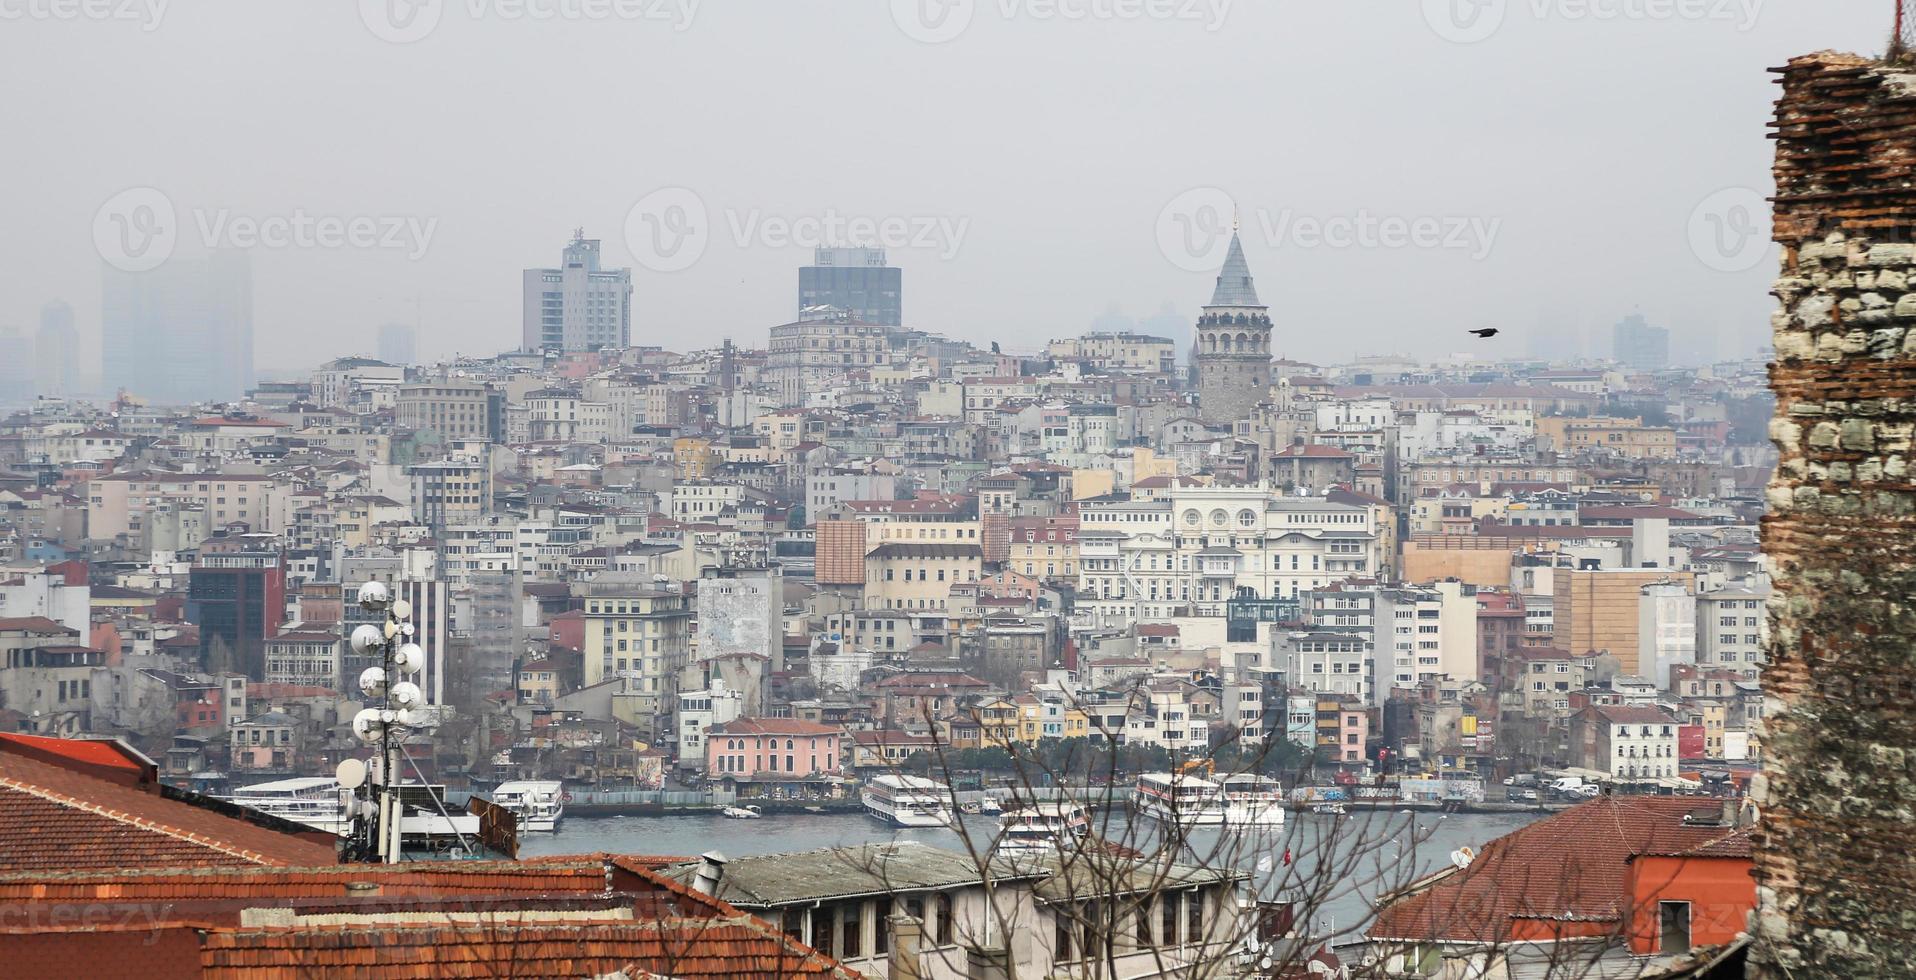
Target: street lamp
x=376 y=824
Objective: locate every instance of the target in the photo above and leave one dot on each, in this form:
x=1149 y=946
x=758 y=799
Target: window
x=942 y=935
x=1168 y=919
x=854 y=932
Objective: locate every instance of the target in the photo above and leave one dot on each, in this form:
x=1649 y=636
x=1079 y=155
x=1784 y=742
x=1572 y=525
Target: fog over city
x=1402 y=171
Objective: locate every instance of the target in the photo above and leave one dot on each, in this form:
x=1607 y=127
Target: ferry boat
x=321 y=803
x=908 y=801
x=1041 y=828
x=318 y=802
x=1251 y=800
x=1178 y=798
x=539 y=804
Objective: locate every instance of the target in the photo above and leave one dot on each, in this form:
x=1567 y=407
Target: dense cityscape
x=647 y=490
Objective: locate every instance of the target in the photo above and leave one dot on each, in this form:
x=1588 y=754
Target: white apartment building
x=1197 y=547
x=578 y=306
x=1666 y=630
x=454 y=409
x=450 y=491
x=698 y=712
x=819 y=349
x=1336 y=662
x=1424 y=632
x=1732 y=628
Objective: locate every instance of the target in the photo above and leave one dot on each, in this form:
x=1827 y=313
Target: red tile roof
x=53 y=818
x=775 y=726
x=1567 y=868
x=678 y=947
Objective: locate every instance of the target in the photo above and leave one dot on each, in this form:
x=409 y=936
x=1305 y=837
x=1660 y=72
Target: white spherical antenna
x=406 y=694
x=367 y=638
x=368 y=726
x=351 y=773
x=409 y=658
x=373 y=595
x=402 y=609
x=372 y=682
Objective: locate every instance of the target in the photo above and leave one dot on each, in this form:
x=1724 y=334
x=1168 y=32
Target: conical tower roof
x=1234 y=285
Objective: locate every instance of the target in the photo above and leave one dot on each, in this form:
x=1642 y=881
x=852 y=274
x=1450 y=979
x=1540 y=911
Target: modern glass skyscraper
x=855 y=280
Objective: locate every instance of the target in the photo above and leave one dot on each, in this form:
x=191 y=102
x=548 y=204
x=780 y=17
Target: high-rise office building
x=855 y=280
x=181 y=332
x=398 y=343
x=57 y=351
x=1639 y=346
x=577 y=306
x=237 y=599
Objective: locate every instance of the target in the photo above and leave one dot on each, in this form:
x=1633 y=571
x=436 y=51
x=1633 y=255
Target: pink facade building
x=786 y=746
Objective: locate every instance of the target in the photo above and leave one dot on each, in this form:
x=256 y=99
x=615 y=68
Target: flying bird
x=1486 y=333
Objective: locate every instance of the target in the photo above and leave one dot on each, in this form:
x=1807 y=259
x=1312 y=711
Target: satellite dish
x=1462 y=857
x=352 y=774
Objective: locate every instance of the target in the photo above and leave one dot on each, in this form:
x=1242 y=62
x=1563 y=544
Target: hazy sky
x=1403 y=169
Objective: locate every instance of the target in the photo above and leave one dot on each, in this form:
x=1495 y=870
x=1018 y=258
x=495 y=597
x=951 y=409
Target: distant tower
x=57 y=351
x=398 y=343
x=1233 y=344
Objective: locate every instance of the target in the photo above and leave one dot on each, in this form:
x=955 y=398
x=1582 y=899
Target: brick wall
x=1835 y=871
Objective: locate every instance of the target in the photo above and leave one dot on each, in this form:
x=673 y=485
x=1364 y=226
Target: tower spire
x=1234 y=284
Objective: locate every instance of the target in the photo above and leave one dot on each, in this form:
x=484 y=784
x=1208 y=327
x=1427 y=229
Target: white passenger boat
x=318 y=802
x=539 y=804
x=909 y=801
x=1251 y=800
x=1178 y=798
x=1041 y=828
x=747 y=812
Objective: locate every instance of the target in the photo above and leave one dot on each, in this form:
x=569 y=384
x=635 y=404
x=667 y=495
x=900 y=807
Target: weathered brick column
x=1836 y=862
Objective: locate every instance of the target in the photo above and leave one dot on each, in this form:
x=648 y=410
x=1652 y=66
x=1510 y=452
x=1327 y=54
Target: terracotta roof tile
x=677 y=947
x=1567 y=867
x=55 y=819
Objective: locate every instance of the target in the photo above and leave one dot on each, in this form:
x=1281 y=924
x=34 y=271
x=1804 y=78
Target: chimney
x=711 y=869
x=987 y=964
x=907 y=945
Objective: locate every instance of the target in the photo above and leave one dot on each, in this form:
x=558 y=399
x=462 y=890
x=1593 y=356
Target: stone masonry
x=1836 y=858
